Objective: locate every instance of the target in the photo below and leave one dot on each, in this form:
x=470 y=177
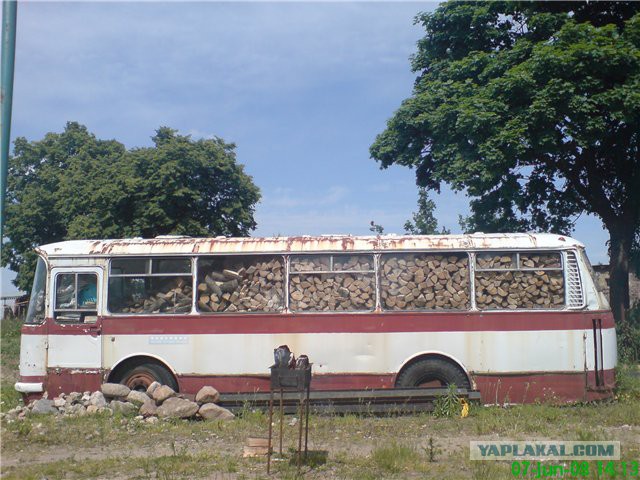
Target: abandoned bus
x=517 y=316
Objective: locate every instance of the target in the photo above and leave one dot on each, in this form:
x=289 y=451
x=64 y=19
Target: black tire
x=142 y=375
x=430 y=370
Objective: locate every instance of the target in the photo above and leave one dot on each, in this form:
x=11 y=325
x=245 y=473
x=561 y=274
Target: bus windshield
x=602 y=297
x=35 y=314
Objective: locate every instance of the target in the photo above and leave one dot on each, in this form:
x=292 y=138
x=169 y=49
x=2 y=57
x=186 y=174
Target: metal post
x=270 y=432
x=306 y=424
x=9 y=15
x=300 y=417
x=281 y=421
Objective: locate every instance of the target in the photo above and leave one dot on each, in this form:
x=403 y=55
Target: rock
x=151 y=420
x=137 y=398
x=177 y=408
x=148 y=408
x=115 y=390
x=76 y=410
x=211 y=411
x=97 y=400
x=124 y=408
x=42 y=407
x=207 y=395
x=74 y=397
x=92 y=409
x=59 y=402
x=151 y=388
x=162 y=393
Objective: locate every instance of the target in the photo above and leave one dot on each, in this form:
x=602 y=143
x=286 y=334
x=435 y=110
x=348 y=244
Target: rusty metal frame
x=376 y=249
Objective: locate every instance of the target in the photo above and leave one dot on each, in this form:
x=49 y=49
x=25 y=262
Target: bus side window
x=519 y=280
x=162 y=285
x=75 y=296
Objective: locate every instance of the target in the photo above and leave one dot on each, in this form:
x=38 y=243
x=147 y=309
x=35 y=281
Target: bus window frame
x=192 y=262
x=373 y=272
x=377 y=255
x=285 y=287
x=468 y=253
x=560 y=251
x=52 y=280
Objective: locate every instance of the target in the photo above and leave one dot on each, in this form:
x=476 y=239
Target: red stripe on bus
x=328 y=323
x=32 y=378
x=350 y=323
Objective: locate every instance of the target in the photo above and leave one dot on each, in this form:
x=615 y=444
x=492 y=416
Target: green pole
x=9 y=14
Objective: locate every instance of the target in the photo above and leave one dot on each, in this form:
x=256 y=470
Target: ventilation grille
x=575 y=295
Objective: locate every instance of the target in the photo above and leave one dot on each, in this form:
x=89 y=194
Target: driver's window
x=76 y=297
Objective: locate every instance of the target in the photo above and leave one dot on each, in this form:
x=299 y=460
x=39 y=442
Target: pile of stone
x=249 y=286
x=159 y=401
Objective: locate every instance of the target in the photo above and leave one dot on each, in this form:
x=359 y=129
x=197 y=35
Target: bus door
x=74 y=331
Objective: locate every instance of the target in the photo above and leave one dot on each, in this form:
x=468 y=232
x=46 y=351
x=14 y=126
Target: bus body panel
x=482 y=352
x=33 y=353
x=509 y=355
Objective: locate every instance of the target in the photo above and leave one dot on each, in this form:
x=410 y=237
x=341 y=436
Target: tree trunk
x=619 y=250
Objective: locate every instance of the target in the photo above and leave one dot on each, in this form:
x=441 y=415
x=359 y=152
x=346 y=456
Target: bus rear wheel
x=432 y=373
x=140 y=377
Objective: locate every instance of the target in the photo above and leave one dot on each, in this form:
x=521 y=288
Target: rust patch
x=323 y=243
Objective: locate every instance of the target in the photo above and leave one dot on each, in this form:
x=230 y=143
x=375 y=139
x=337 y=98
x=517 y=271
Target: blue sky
x=301 y=88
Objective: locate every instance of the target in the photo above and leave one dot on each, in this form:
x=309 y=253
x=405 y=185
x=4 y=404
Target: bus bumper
x=24 y=387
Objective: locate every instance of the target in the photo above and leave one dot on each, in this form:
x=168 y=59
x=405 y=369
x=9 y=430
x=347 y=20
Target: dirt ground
x=417 y=446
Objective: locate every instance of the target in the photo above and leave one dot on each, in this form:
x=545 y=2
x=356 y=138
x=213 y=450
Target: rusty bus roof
x=177 y=245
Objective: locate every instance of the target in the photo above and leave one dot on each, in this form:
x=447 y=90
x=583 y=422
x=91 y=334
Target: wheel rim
x=140 y=381
x=432 y=381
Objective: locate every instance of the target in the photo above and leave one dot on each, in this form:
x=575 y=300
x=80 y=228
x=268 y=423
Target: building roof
x=177 y=245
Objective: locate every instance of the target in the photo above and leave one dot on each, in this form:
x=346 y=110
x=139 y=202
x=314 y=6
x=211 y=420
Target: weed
x=430 y=451
x=448 y=405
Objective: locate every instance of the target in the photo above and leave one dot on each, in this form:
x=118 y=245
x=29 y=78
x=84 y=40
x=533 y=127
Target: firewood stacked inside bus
x=519 y=281
x=241 y=284
x=422 y=281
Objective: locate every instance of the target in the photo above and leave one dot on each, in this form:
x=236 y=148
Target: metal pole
x=9 y=15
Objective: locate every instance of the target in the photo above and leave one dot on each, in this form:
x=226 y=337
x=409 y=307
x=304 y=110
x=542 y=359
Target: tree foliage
x=424 y=221
x=71 y=185
x=532 y=108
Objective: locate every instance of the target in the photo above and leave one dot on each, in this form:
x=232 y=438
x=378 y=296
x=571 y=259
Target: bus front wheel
x=432 y=373
x=143 y=375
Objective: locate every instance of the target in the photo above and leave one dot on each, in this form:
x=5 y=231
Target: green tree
x=534 y=110
x=71 y=185
x=424 y=221
x=375 y=228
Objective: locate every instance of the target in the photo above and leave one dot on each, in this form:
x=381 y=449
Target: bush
x=628 y=333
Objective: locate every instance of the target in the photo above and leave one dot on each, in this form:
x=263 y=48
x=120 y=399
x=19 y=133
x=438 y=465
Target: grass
x=359 y=447
x=9 y=359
